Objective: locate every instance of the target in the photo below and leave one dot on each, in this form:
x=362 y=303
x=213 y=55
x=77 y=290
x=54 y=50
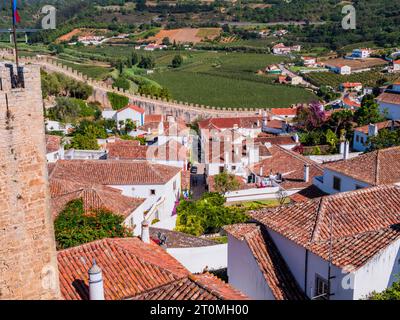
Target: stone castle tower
x=28 y=261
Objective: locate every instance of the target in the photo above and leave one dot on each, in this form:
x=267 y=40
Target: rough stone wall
x=28 y=264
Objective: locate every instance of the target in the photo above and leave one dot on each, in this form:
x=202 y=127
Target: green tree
x=207 y=215
x=368 y=112
x=225 y=182
x=177 y=61
x=166 y=41
x=392 y=293
x=117 y=101
x=74 y=226
x=122 y=83
x=83 y=142
x=134 y=58
x=147 y=62
x=331 y=139
x=386 y=138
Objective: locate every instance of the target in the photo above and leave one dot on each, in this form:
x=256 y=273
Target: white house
x=361 y=53
x=341 y=69
x=309 y=61
x=159 y=184
x=389 y=102
x=369 y=169
x=51 y=125
x=361 y=134
x=281 y=49
x=338 y=247
x=131 y=112
x=396 y=66
x=96 y=197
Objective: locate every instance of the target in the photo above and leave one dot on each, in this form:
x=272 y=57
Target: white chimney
x=306 y=172
x=261 y=171
x=346 y=150
x=342 y=147
x=296 y=138
x=145 y=231
x=372 y=130
x=96 y=288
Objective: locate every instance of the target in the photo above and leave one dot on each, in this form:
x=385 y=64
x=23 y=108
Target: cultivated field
x=186 y=35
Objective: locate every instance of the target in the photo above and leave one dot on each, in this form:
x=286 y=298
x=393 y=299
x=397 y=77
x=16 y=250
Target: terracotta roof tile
x=96 y=197
x=129 y=267
x=274 y=268
x=381 y=125
x=135 y=270
x=195 y=287
x=114 y=172
x=389 y=97
x=360 y=223
x=133 y=107
x=290 y=164
x=153 y=118
x=53 y=143
x=377 y=167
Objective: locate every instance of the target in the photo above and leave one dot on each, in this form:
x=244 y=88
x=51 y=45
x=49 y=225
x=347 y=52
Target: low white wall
x=256 y=194
x=198 y=258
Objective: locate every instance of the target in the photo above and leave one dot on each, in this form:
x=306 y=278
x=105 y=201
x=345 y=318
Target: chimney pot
x=145 y=231
x=96 y=288
x=306 y=172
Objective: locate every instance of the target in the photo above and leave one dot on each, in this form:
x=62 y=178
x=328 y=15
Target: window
x=152 y=192
x=233 y=168
x=321 y=288
x=221 y=169
x=336 y=183
x=357 y=138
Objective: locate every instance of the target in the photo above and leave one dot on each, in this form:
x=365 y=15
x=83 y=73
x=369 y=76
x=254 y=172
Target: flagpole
x=14 y=31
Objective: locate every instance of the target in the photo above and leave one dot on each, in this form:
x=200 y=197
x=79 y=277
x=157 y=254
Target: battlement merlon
x=28 y=77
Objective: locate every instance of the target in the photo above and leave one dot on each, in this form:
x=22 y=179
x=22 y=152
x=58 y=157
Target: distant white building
x=361 y=53
x=54 y=148
x=131 y=112
x=281 y=49
x=58 y=126
x=340 y=69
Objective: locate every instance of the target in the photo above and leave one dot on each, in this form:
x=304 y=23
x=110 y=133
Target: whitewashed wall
x=244 y=273
x=197 y=258
x=347 y=183
x=379 y=273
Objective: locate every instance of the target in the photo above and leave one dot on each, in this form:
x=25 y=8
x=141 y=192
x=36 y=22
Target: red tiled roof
x=129 y=266
x=284 y=111
x=308 y=193
x=136 y=270
x=126 y=149
x=381 y=125
x=114 y=172
x=387 y=97
x=375 y=168
x=131 y=150
x=153 y=118
x=274 y=268
x=53 y=143
x=195 y=287
x=133 y=107
x=280 y=140
x=360 y=223
x=351 y=84
x=96 y=197
x=290 y=164
x=349 y=102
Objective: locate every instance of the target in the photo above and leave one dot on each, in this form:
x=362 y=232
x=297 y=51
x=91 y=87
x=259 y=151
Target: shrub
x=117 y=101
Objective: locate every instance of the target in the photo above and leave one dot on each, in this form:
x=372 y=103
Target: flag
x=16 y=17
